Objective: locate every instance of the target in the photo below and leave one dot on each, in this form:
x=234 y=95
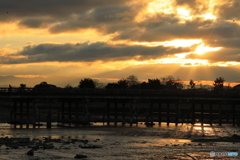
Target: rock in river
x=80 y=156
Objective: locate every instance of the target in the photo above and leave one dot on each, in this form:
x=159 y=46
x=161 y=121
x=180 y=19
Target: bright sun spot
x=183 y=13
x=208 y=16
x=174 y=43
x=160 y=6
x=201 y=49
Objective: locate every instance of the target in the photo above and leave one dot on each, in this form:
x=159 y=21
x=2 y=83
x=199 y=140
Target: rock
x=90 y=146
x=30 y=152
x=36 y=147
x=14 y=146
x=47 y=146
x=80 y=156
x=84 y=141
x=235 y=136
x=199 y=144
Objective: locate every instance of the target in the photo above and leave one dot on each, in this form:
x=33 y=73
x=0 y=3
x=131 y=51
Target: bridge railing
x=121 y=92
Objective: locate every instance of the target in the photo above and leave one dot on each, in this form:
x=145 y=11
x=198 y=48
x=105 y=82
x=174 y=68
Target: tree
x=112 y=86
x=218 y=83
x=123 y=83
x=192 y=84
x=154 y=83
x=87 y=83
x=171 y=83
x=98 y=84
x=45 y=85
x=68 y=86
x=132 y=81
x=22 y=85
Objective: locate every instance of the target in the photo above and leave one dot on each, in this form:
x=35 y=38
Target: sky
x=62 y=41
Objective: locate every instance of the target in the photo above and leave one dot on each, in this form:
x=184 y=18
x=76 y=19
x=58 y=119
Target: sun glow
x=174 y=43
x=183 y=13
x=201 y=49
x=208 y=16
x=160 y=6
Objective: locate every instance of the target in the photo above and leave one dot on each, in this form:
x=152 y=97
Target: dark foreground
x=120 y=143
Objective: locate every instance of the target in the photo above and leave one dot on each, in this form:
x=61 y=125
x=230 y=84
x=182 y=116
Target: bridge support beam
x=159 y=113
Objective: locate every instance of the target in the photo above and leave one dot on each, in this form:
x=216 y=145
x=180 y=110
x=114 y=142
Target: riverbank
x=118 y=143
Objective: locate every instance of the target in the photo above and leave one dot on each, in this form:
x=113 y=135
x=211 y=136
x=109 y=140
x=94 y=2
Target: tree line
x=132 y=82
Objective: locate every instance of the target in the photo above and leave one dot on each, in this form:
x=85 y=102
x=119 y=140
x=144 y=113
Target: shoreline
x=125 y=143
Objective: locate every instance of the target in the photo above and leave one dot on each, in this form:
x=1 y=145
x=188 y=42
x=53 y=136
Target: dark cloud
x=105 y=19
x=229 y=10
x=109 y=17
x=169 y=28
x=91 y=52
x=33 y=22
x=225 y=42
x=33 y=14
x=53 y=8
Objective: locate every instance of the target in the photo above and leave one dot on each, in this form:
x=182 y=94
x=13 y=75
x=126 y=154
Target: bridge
x=75 y=106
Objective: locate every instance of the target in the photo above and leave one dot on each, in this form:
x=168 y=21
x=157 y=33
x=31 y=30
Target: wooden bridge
x=74 y=106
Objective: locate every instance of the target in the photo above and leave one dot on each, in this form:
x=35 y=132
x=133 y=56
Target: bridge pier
x=202 y=114
x=193 y=113
x=123 y=113
x=116 y=113
x=220 y=114
x=176 y=113
x=168 y=114
x=108 y=113
x=211 y=114
x=159 y=113
x=49 y=117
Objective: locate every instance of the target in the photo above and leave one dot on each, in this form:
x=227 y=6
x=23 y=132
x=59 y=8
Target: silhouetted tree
x=171 y=83
x=151 y=84
x=45 y=85
x=132 y=81
x=68 y=86
x=22 y=87
x=87 y=83
x=144 y=85
x=112 y=86
x=123 y=83
x=218 y=84
x=98 y=84
x=192 y=84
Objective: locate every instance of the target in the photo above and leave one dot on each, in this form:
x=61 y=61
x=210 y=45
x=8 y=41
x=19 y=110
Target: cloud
x=68 y=13
x=222 y=55
x=229 y=10
x=167 y=27
x=87 y=52
x=196 y=6
x=33 y=22
x=53 y=8
x=224 y=42
x=118 y=17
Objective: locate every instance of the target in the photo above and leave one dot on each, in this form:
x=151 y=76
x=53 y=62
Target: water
x=125 y=143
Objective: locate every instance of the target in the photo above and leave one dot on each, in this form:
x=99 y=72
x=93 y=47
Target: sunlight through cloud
x=201 y=49
x=174 y=43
